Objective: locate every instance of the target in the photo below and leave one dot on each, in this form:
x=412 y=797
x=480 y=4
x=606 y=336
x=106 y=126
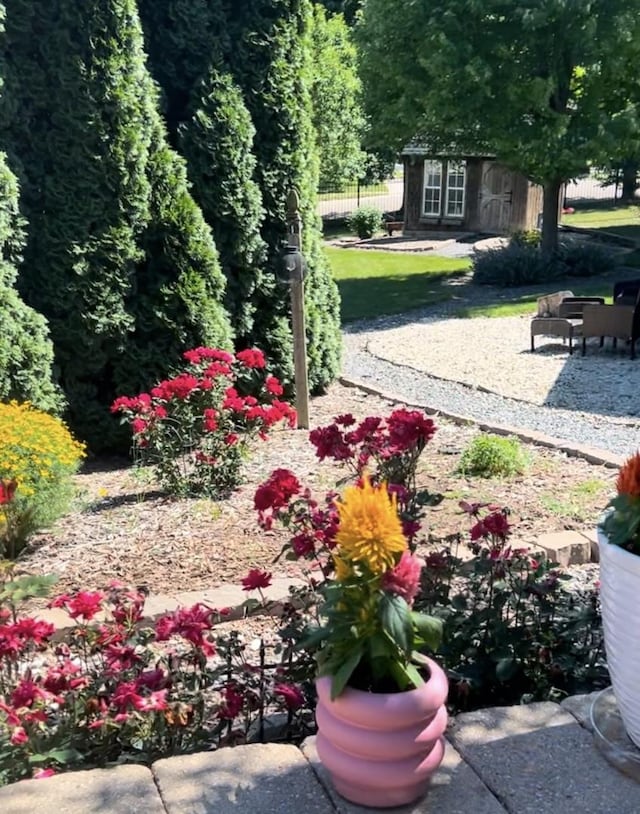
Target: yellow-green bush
x=40 y=454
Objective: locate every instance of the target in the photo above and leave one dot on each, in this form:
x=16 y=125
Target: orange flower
x=628 y=482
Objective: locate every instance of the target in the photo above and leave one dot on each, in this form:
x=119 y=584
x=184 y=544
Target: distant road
x=339 y=207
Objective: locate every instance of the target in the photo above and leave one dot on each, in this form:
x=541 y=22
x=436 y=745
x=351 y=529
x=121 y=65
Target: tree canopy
x=547 y=85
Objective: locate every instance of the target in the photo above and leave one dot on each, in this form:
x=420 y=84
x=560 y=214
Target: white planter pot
x=620 y=599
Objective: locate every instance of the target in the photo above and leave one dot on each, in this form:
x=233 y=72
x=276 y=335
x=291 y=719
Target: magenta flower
x=292 y=696
x=256 y=579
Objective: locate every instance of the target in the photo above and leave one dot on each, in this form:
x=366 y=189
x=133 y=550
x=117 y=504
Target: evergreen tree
x=105 y=202
x=217 y=143
x=26 y=352
x=271 y=61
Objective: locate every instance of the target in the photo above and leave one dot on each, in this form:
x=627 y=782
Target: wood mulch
x=122 y=528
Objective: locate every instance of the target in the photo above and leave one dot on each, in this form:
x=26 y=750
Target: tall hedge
x=265 y=46
x=115 y=248
x=217 y=142
x=270 y=59
x=26 y=352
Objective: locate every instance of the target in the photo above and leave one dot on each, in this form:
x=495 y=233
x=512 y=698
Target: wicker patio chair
x=616 y=321
x=568 y=323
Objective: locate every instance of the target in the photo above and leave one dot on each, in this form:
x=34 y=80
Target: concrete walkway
x=535 y=759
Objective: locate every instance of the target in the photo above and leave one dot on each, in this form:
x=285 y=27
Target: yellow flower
x=343 y=568
x=369 y=530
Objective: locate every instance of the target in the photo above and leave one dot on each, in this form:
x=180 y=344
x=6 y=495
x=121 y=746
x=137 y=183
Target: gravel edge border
x=590 y=454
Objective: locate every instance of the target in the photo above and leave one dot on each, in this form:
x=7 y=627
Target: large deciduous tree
x=547 y=85
x=336 y=103
x=118 y=258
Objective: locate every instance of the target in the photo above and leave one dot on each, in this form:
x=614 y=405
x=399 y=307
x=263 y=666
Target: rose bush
x=195 y=427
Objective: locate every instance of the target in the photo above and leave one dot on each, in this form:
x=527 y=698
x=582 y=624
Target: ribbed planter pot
x=381 y=749
x=620 y=601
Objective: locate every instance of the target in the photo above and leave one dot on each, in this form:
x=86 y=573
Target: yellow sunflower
x=369 y=530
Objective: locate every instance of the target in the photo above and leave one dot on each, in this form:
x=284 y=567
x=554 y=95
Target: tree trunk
x=629 y=180
x=550 y=208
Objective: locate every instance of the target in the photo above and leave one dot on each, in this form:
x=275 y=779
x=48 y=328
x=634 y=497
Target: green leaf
x=395 y=617
x=343 y=673
x=506 y=669
x=429 y=629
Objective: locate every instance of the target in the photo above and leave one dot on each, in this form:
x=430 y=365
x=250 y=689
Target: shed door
x=496 y=194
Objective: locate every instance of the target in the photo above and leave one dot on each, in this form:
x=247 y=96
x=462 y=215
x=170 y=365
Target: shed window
x=444 y=181
x=432 y=187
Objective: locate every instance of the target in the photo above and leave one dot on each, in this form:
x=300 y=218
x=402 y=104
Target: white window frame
x=432 y=168
x=455 y=168
x=444 y=169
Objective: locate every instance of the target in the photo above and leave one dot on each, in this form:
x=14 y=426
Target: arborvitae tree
x=270 y=59
x=26 y=352
x=217 y=143
x=104 y=200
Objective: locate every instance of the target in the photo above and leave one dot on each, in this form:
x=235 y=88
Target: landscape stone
x=566 y=547
x=455 y=789
x=259 y=778
x=592 y=537
x=537 y=760
x=121 y=790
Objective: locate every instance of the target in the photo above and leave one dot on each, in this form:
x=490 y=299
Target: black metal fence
x=591 y=188
x=334 y=204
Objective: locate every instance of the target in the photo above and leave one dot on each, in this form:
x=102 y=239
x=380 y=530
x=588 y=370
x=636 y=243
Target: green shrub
x=527 y=237
x=365 y=221
x=26 y=352
x=38 y=456
x=491 y=456
x=579 y=259
x=513 y=265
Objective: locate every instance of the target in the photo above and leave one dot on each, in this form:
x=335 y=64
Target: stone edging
x=590 y=454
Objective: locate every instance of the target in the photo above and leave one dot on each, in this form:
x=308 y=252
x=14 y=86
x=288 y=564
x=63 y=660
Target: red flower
x=210 y=420
x=61 y=679
x=26 y=692
x=19 y=736
x=277 y=490
x=34 y=630
x=330 y=443
x=251 y=357
x=138 y=426
x=232 y=703
x=7 y=491
x=404 y=579
x=292 y=696
x=85 y=604
x=273 y=386
x=409 y=428
x=256 y=579
x=41 y=774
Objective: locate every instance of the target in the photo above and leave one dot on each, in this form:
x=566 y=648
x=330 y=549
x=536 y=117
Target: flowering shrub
x=622 y=522
x=513 y=631
x=195 y=427
x=115 y=690
x=38 y=457
x=390 y=448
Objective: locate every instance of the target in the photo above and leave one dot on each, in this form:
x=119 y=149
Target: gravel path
x=387 y=353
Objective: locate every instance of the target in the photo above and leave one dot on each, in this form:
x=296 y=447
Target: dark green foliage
x=113 y=234
x=270 y=61
x=493 y=456
x=26 y=352
x=579 y=259
x=513 y=265
x=217 y=143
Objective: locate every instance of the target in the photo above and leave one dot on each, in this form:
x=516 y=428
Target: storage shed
x=472 y=193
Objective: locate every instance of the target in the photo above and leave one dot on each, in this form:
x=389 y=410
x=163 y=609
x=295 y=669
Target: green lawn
x=622 y=220
x=376 y=283
x=351 y=192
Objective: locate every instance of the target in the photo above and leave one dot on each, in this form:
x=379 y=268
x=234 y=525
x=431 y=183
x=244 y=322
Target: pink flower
x=292 y=696
x=41 y=774
x=26 y=692
x=404 y=579
x=232 y=703
x=19 y=736
x=256 y=579
x=154 y=702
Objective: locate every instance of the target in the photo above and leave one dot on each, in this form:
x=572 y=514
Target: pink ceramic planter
x=382 y=748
